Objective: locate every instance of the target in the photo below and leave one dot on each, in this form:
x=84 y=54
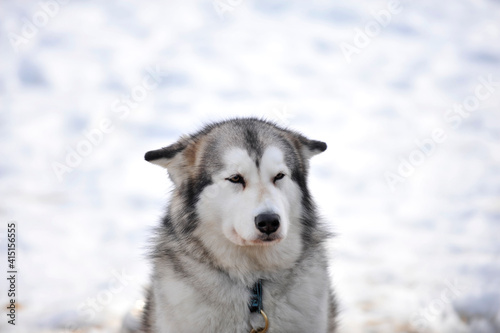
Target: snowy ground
x=419 y=252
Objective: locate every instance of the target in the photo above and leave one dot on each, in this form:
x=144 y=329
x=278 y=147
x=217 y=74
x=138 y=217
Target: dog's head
x=243 y=178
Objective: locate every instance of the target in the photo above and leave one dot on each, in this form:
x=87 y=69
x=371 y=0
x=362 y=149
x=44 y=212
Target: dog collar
x=255 y=305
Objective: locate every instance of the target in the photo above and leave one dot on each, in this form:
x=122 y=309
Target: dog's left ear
x=171 y=158
x=312 y=148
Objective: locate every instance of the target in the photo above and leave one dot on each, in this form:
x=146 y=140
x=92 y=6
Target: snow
x=422 y=255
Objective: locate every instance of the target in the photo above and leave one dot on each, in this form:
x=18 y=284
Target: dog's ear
x=164 y=157
x=312 y=148
x=171 y=158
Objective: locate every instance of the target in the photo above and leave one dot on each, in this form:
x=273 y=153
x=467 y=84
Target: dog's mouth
x=267 y=240
x=270 y=238
x=261 y=240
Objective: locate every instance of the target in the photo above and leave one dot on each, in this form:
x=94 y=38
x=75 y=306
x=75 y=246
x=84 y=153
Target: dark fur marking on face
x=309 y=215
x=253 y=144
x=191 y=192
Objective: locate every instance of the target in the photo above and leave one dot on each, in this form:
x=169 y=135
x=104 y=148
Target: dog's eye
x=237 y=179
x=279 y=176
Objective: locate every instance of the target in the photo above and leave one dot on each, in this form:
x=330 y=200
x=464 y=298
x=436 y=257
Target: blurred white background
x=405 y=93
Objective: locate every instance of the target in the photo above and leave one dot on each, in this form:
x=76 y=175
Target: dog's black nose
x=267 y=223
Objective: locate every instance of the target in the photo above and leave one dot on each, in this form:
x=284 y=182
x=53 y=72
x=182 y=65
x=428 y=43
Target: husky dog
x=240 y=248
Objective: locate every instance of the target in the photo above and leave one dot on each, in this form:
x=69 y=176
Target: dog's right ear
x=164 y=156
x=171 y=158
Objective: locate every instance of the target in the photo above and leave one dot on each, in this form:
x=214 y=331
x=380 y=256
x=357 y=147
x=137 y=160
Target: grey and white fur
x=240 y=211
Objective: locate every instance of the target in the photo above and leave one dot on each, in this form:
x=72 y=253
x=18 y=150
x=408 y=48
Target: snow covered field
x=406 y=94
